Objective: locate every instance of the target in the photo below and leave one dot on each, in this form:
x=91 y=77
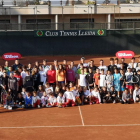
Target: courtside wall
x=26 y=44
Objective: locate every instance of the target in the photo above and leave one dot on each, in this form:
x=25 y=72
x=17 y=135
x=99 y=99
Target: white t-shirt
x=102 y=79
x=69 y=95
x=103 y=67
x=23 y=75
x=134 y=65
x=82 y=80
x=60 y=99
x=34 y=99
x=96 y=95
x=135 y=93
x=48 y=90
x=52 y=100
x=118 y=65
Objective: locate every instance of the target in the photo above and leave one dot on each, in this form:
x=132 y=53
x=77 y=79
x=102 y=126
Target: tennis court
x=98 y=122
x=106 y=121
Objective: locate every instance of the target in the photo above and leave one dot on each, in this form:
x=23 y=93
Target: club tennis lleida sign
x=55 y=33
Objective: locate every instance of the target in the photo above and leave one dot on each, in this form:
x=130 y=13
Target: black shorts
x=52 y=84
x=91 y=87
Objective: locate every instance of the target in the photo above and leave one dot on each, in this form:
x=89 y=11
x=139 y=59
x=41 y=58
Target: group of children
x=67 y=85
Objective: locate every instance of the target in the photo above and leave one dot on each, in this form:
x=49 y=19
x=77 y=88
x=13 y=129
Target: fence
x=70 y=26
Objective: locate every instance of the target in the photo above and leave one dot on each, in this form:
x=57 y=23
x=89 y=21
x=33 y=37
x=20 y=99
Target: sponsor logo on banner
x=125 y=54
x=11 y=56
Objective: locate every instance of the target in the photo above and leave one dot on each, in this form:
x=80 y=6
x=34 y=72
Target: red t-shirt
x=19 y=79
x=51 y=76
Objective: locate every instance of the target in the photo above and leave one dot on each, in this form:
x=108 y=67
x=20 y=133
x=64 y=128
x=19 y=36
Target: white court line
x=81 y=116
x=70 y=126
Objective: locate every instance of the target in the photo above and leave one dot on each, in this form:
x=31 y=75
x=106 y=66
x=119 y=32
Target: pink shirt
x=70 y=76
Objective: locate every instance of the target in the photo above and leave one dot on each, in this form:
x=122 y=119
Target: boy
x=20 y=101
x=28 y=100
x=111 y=67
x=92 y=66
x=35 y=100
x=70 y=99
x=95 y=96
x=113 y=95
x=109 y=80
x=102 y=66
x=96 y=78
x=86 y=95
x=102 y=79
x=23 y=73
x=122 y=80
x=82 y=81
x=125 y=97
x=44 y=99
x=133 y=63
x=136 y=94
x=52 y=100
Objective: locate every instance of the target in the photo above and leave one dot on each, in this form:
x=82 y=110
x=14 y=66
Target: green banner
x=55 y=33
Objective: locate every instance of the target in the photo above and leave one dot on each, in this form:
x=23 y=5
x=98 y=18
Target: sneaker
x=60 y=106
x=22 y=106
x=38 y=106
x=9 y=108
x=114 y=102
x=5 y=107
x=48 y=106
x=90 y=103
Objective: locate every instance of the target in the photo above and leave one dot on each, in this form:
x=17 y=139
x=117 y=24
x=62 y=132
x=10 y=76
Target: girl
x=63 y=90
x=95 y=96
x=42 y=75
x=52 y=100
x=20 y=101
x=40 y=91
x=9 y=103
x=48 y=89
x=28 y=100
x=70 y=76
x=86 y=95
x=60 y=100
x=36 y=78
x=70 y=99
x=35 y=100
x=36 y=64
x=57 y=90
x=44 y=99
x=29 y=68
x=117 y=77
x=61 y=76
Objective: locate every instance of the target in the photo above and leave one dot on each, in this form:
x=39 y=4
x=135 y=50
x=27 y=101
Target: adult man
x=83 y=62
x=15 y=66
x=102 y=67
x=73 y=68
x=111 y=67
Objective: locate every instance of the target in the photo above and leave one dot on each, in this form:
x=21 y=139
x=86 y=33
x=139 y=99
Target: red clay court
x=98 y=122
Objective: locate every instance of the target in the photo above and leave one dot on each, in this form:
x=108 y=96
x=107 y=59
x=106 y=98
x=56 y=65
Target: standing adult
x=83 y=62
x=15 y=66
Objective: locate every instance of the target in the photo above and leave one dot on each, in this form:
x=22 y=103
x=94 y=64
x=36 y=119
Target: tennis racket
x=134 y=79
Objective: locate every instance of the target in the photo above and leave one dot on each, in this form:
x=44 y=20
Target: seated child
x=60 y=100
x=20 y=101
x=113 y=95
x=81 y=94
x=70 y=99
x=40 y=91
x=48 y=88
x=35 y=100
x=44 y=99
x=28 y=100
x=71 y=86
x=95 y=96
x=9 y=103
x=125 y=97
x=86 y=95
x=52 y=100
x=76 y=95
x=104 y=95
x=136 y=94
x=23 y=93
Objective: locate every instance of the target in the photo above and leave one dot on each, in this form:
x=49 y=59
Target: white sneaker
x=38 y=106
x=5 y=106
x=22 y=106
x=114 y=102
x=48 y=106
x=9 y=108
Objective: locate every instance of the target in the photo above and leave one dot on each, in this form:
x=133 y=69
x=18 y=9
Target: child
x=90 y=79
x=40 y=91
x=23 y=93
x=104 y=95
x=95 y=96
x=70 y=99
x=20 y=101
x=113 y=95
x=76 y=95
x=28 y=100
x=52 y=100
x=136 y=94
x=9 y=102
x=86 y=95
x=82 y=82
x=102 y=79
x=44 y=99
x=60 y=100
x=125 y=97
x=71 y=86
x=81 y=94
x=109 y=80
x=35 y=100
x=96 y=77
x=48 y=89
x=57 y=90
